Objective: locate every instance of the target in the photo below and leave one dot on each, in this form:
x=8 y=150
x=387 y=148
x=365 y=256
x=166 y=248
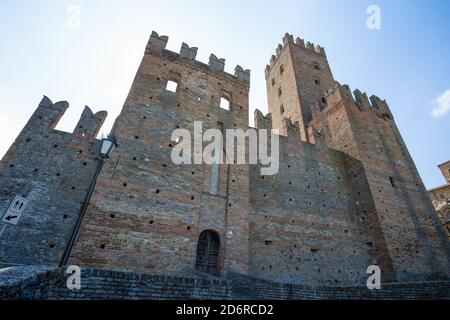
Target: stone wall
x=307 y=223
x=46 y=283
x=412 y=244
x=266 y=290
x=147 y=213
x=52 y=170
x=352 y=199
x=297 y=78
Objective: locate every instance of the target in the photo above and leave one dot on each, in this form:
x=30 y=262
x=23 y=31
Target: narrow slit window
x=225 y=104
x=282 y=109
x=324 y=100
x=280 y=92
x=392 y=182
x=171 y=86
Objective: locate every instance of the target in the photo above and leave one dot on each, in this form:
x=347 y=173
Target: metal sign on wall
x=15 y=211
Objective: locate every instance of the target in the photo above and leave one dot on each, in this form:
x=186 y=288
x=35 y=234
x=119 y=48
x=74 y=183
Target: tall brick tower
x=301 y=88
x=297 y=78
x=365 y=129
x=151 y=215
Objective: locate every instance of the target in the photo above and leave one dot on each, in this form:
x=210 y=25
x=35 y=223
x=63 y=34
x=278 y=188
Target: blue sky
x=406 y=62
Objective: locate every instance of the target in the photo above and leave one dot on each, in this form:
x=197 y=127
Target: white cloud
x=441 y=105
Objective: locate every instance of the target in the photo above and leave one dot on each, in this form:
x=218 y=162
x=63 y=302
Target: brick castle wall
x=38 y=283
x=347 y=196
x=147 y=213
x=414 y=244
x=52 y=170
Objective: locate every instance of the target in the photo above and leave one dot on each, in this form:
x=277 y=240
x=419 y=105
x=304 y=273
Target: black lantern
x=108 y=146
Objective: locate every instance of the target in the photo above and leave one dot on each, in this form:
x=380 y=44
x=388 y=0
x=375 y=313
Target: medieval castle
x=347 y=195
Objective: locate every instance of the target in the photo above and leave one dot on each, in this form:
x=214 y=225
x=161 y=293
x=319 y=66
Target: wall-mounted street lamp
x=108 y=146
x=106 y=149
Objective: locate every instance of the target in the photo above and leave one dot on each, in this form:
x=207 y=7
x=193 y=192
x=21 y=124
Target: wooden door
x=208 y=253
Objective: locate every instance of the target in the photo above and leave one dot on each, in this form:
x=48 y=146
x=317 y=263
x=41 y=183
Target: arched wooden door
x=208 y=250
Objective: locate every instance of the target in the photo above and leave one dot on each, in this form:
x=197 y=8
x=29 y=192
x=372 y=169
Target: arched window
x=208 y=250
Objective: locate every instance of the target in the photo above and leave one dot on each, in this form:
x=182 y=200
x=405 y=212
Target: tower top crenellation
x=159 y=43
x=288 y=39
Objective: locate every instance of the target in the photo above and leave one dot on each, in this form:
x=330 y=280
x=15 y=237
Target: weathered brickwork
x=347 y=194
x=159 y=208
x=43 y=283
x=305 y=221
x=297 y=78
x=414 y=243
x=52 y=170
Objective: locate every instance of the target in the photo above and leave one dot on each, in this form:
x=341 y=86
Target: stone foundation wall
x=50 y=284
x=47 y=283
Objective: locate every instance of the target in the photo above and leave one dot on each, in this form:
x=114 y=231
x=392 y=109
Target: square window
x=171 y=86
x=224 y=104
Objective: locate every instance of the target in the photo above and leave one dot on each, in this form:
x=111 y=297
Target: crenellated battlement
x=90 y=124
x=319 y=138
x=187 y=53
x=292 y=129
x=48 y=115
x=262 y=121
x=361 y=99
x=288 y=39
